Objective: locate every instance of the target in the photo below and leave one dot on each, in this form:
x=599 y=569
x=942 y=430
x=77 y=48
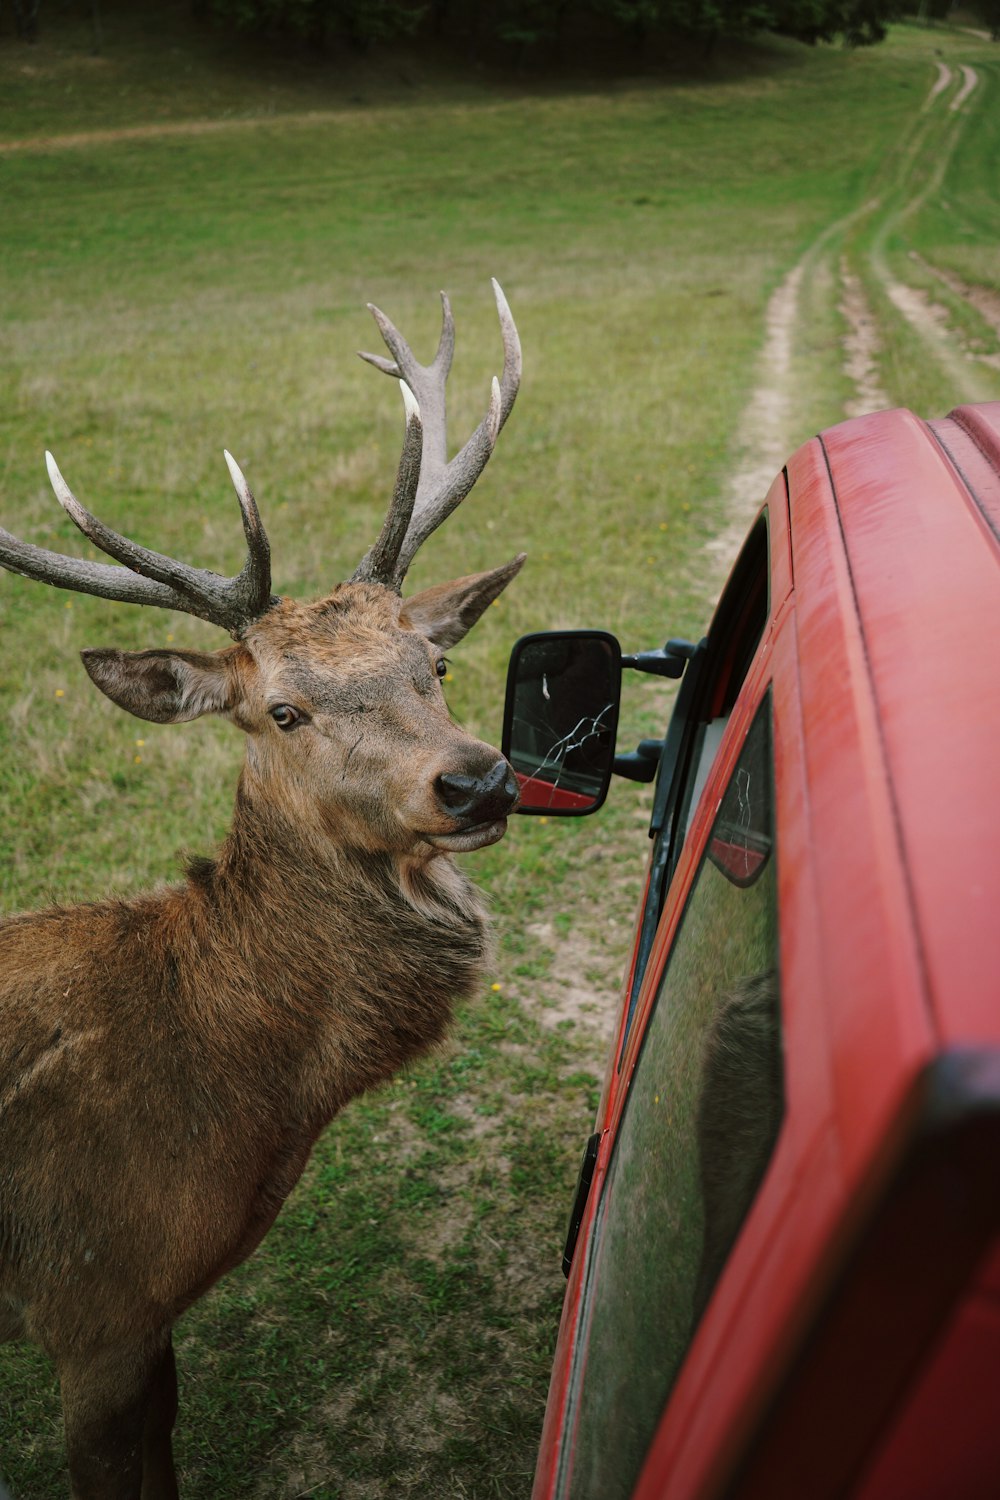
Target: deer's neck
x=356 y=956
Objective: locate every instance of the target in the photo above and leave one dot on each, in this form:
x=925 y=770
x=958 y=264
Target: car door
x=697 y=1128
x=698 y=1058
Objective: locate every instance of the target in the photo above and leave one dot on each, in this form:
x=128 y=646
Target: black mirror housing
x=561 y=718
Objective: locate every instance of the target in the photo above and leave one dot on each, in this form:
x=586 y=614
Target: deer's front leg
x=118 y=1410
x=159 y=1481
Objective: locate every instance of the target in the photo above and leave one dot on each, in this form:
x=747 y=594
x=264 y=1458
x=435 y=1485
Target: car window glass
x=704 y=706
x=709 y=740
x=732 y=643
x=699 y=1126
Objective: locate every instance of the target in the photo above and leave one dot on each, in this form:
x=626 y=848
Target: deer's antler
x=149 y=577
x=429 y=486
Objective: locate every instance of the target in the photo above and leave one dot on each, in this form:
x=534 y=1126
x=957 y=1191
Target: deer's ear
x=166 y=687
x=448 y=611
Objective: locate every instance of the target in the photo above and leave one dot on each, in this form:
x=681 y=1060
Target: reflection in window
x=698 y=1130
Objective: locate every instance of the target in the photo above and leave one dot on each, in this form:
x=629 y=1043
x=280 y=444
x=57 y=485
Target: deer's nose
x=477 y=799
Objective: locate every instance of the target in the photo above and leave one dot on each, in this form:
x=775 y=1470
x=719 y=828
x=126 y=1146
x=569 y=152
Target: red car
x=783 y=1260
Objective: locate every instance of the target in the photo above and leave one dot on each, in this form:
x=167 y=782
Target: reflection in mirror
x=560 y=719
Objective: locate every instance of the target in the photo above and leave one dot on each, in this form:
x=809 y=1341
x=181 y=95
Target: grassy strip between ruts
x=165 y=296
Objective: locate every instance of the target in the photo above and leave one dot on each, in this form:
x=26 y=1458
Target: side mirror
x=560 y=718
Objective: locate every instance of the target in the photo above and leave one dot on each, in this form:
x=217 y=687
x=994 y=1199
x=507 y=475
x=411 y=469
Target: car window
x=699 y=1125
x=709 y=738
x=732 y=642
x=704 y=704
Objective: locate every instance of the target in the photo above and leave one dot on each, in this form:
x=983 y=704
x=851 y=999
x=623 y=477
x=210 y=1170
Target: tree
x=859 y=22
x=361 y=22
x=26 y=19
x=988 y=12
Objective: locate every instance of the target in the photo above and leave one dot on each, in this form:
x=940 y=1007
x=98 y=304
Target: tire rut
x=935 y=142
x=767 y=431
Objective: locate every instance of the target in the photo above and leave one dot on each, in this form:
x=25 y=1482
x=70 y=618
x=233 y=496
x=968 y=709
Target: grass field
x=188 y=240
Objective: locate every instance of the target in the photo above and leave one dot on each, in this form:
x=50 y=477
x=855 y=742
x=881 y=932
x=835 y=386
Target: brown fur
x=168 y=1061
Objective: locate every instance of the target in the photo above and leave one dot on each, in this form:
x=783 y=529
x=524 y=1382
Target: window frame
x=711 y=670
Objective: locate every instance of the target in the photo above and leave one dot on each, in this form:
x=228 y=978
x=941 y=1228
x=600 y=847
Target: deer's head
x=340 y=699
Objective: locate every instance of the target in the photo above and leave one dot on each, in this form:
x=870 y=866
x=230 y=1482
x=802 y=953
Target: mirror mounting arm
x=666 y=661
x=640 y=764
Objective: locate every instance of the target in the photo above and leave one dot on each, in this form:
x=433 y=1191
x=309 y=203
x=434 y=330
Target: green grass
x=168 y=295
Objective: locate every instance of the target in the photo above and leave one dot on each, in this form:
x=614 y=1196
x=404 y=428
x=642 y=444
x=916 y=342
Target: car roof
x=918 y=505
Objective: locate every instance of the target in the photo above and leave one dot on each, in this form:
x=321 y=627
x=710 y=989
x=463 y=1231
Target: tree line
x=543 y=27
x=544 y=24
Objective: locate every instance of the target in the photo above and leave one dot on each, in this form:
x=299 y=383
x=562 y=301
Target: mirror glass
x=560 y=719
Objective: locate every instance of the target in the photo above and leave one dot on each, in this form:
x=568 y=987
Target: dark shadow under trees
x=540 y=30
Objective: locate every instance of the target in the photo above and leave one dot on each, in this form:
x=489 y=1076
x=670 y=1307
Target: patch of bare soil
x=584 y=982
x=941 y=83
x=418 y=1427
x=930 y=321
x=161 y=131
x=926 y=317
x=985 y=301
x=766 y=432
x=584 y=935
x=969 y=80
x=861 y=347
x=764 y=426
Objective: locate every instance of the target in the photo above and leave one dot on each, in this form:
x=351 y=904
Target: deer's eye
x=441 y=666
x=285 y=716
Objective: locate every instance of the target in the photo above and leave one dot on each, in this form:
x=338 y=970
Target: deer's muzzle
x=478 y=799
x=479 y=805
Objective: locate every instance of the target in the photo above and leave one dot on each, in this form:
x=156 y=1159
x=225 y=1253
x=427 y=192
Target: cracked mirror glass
x=562 y=712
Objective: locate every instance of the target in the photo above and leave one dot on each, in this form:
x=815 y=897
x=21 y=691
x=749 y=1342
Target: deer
x=168 y=1060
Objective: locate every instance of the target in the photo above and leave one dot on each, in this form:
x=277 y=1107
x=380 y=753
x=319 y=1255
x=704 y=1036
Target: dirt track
x=771 y=427
x=165 y=131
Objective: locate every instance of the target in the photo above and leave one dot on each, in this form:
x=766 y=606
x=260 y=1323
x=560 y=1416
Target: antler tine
x=443 y=483
x=150 y=577
x=253 y=582
x=452 y=481
x=512 y=362
x=147 y=564
x=404 y=366
x=379 y=562
x=446 y=343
